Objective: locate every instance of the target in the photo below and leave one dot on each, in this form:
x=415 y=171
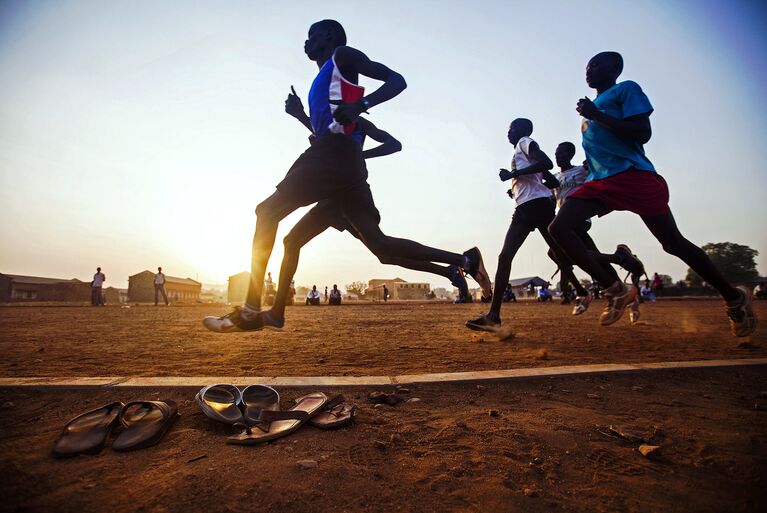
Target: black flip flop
x=87 y=433
x=145 y=423
x=336 y=413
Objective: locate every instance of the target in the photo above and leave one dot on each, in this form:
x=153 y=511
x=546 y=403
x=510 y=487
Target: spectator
x=646 y=292
x=98 y=281
x=159 y=286
x=544 y=294
x=508 y=294
x=657 y=284
x=326 y=293
x=385 y=293
x=761 y=290
x=313 y=297
x=335 y=296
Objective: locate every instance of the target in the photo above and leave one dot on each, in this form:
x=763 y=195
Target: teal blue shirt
x=607 y=153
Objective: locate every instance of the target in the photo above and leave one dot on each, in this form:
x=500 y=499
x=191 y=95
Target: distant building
x=398 y=289
x=14 y=287
x=521 y=286
x=183 y=290
x=237 y=289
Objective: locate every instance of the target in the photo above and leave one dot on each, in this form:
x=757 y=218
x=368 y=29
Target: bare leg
x=563 y=230
x=563 y=262
x=305 y=230
x=664 y=229
x=402 y=252
x=515 y=237
x=269 y=213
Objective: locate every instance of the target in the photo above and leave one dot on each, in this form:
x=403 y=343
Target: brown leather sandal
x=337 y=413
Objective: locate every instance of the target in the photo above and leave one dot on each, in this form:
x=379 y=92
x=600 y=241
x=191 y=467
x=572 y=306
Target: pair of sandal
x=256 y=410
x=143 y=423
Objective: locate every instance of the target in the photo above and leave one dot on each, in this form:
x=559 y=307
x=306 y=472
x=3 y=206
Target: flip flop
x=273 y=424
x=221 y=403
x=256 y=399
x=226 y=403
x=335 y=414
x=145 y=423
x=87 y=433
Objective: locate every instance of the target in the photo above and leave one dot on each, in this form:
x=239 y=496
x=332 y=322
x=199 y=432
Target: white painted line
x=329 y=381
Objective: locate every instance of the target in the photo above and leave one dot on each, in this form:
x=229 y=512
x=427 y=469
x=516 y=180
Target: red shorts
x=642 y=192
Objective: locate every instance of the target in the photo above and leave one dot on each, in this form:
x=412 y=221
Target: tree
x=735 y=261
x=357 y=287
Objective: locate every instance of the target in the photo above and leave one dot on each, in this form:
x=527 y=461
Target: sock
x=493 y=316
x=248 y=312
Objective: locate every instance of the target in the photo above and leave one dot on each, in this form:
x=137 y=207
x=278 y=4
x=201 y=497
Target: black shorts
x=343 y=212
x=534 y=214
x=331 y=168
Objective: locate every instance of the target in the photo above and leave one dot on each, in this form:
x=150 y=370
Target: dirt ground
x=372 y=339
x=540 y=444
x=533 y=445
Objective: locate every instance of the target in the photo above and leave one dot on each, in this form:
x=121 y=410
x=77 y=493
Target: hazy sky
x=144 y=133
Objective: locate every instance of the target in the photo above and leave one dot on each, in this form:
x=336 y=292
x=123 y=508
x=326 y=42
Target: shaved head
x=612 y=59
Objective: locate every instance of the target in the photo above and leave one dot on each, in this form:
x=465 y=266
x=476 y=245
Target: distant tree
x=357 y=287
x=736 y=262
x=667 y=280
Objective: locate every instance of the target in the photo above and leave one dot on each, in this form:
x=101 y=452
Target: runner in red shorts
x=615 y=127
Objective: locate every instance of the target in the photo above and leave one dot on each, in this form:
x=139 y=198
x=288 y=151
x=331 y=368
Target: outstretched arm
x=388 y=144
x=352 y=62
x=539 y=163
x=634 y=128
x=295 y=108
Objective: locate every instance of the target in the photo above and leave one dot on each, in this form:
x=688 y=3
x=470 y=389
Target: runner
x=333 y=169
x=535 y=209
x=570 y=178
x=615 y=127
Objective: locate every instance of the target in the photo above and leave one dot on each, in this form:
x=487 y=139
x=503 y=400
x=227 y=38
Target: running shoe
x=741 y=314
x=634 y=312
x=617 y=301
x=459 y=281
x=582 y=304
x=629 y=260
x=234 y=322
x=487 y=322
x=476 y=269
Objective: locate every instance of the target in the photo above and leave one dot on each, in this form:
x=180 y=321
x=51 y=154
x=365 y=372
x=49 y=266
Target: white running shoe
x=618 y=299
x=224 y=324
x=582 y=304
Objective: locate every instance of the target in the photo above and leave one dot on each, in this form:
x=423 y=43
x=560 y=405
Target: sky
x=143 y=133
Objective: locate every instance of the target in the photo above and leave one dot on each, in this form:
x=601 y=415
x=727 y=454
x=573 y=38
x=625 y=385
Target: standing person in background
x=98 y=281
x=326 y=293
x=385 y=293
x=159 y=286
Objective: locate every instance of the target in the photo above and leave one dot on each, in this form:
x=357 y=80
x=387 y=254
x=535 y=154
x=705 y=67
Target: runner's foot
x=741 y=314
x=235 y=321
x=459 y=281
x=628 y=260
x=487 y=322
x=582 y=304
x=634 y=312
x=476 y=269
x=619 y=295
